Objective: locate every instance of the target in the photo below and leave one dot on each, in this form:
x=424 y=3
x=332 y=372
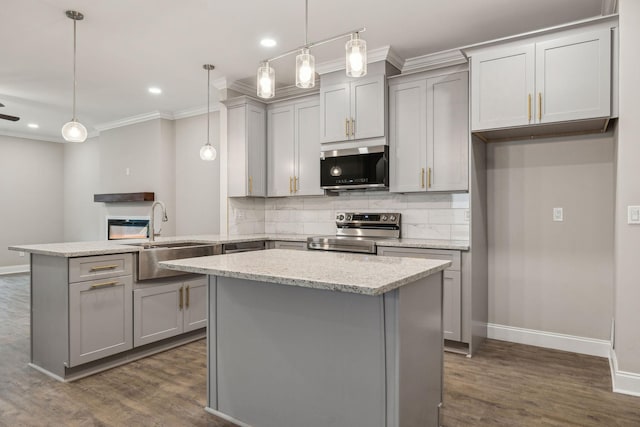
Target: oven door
x=355 y=168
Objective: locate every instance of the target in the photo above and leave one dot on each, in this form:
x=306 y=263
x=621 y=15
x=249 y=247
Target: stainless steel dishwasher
x=232 y=248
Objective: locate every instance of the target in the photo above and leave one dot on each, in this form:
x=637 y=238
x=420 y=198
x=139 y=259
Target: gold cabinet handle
x=353 y=127
x=539 y=106
x=188 y=297
x=429 y=178
x=529 y=108
x=346 y=127
x=181 y=299
x=104 y=284
x=290 y=185
x=104 y=267
x=250 y=185
x=422 y=178
x=296 y=184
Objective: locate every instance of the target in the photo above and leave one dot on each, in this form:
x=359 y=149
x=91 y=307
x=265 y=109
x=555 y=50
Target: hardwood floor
x=503 y=385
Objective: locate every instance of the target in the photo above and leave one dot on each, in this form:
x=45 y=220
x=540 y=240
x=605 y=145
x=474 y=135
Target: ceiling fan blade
x=12 y=118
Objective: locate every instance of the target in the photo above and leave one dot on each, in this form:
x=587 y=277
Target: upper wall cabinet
x=246 y=141
x=429 y=133
x=293 y=144
x=556 y=78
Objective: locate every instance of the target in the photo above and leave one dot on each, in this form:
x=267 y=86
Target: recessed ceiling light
x=33 y=125
x=155 y=90
x=268 y=42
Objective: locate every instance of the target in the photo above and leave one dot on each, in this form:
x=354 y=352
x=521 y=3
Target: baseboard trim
x=225 y=417
x=575 y=344
x=13 y=269
x=621 y=381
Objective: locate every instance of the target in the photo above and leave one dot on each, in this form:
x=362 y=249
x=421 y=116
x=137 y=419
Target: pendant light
x=356 y=60
x=208 y=152
x=305 y=62
x=74 y=131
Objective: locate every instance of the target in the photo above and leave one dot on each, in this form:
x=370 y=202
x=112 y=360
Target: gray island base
x=323 y=339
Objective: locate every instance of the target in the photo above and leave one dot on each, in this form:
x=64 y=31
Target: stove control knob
x=340 y=217
x=392 y=218
x=384 y=217
x=348 y=217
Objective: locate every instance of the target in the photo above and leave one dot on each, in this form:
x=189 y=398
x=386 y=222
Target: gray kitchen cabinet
x=353 y=109
x=429 y=133
x=168 y=308
x=452 y=292
x=293 y=148
x=246 y=144
x=99 y=319
x=549 y=79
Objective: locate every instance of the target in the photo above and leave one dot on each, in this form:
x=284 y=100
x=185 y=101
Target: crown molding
x=432 y=61
x=385 y=53
x=140 y=118
x=196 y=111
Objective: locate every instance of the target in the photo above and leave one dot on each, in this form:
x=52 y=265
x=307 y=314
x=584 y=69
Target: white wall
x=627 y=237
x=545 y=275
x=82 y=217
x=31 y=195
x=197 y=181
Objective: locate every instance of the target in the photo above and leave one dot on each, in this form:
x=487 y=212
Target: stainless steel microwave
x=355 y=168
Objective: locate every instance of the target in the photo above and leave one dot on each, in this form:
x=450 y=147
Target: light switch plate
x=633 y=214
x=558 y=214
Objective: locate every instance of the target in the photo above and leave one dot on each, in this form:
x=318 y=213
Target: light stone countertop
x=106 y=247
x=353 y=273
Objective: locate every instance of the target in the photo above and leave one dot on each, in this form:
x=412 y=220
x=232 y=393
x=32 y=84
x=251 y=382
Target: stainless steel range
x=358 y=232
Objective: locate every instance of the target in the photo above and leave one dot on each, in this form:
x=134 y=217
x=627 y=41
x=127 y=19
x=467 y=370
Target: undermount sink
x=155 y=252
x=160 y=245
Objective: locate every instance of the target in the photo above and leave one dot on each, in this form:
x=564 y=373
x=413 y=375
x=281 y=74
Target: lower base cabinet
x=99 y=319
x=163 y=310
x=452 y=295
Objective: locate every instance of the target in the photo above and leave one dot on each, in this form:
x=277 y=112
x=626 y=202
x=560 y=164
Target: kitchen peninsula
x=293 y=336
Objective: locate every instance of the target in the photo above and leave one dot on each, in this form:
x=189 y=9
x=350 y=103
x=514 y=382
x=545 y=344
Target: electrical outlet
x=633 y=214
x=127 y=171
x=558 y=214
x=20 y=253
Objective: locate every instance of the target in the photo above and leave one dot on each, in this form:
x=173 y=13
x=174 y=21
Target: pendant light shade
x=74 y=131
x=266 y=81
x=305 y=70
x=356 y=56
x=208 y=151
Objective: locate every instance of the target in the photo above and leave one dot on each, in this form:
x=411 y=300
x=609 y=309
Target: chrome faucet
x=152 y=231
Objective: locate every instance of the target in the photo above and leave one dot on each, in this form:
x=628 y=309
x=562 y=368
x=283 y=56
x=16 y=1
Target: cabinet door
x=368 y=107
x=448 y=133
x=99 y=319
x=407 y=136
x=257 y=151
x=573 y=77
x=195 y=304
x=451 y=306
x=502 y=88
x=280 y=144
x=237 y=151
x=334 y=112
x=307 y=156
x=157 y=313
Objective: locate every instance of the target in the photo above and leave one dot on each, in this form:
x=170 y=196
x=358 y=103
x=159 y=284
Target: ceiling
x=125 y=46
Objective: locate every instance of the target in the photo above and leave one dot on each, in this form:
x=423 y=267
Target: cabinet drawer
x=299 y=246
x=100 y=267
x=449 y=255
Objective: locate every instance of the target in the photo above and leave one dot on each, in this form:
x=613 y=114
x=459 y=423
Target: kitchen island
x=317 y=339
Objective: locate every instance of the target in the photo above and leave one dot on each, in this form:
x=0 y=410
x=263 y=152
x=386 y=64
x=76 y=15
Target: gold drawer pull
x=296 y=182
x=104 y=284
x=104 y=267
x=539 y=106
x=188 y=297
x=422 y=178
x=529 y=109
x=346 y=127
x=429 y=178
x=290 y=185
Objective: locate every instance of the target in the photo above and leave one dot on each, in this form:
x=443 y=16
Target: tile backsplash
x=424 y=216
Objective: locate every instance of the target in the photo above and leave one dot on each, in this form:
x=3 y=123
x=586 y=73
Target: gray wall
x=31 y=196
x=627 y=237
x=546 y=275
x=197 y=181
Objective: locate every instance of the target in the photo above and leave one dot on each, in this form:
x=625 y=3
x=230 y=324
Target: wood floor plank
x=504 y=384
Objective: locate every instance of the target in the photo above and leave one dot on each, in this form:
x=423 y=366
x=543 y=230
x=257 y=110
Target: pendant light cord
x=306 y=22
x=208 y=105
x=74 y=70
